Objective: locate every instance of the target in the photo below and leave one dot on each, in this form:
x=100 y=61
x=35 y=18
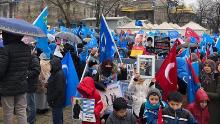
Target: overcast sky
x=190 y=2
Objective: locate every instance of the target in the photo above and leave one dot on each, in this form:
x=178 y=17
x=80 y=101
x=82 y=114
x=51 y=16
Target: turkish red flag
x=198 y=53
x=190 y=33
x=167 y=74
x=160 y=118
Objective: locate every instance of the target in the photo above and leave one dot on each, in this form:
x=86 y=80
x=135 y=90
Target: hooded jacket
x=56 y=84
x=200 y=114
x=180 y=116
x=149 y=113
x=33 y=74
x=87 y=89
x=139 y=93
x=207 y=79
x=14 y=61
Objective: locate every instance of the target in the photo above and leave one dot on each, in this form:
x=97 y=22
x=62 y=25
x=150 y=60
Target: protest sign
x=146 y=66
x=83 y=109
x=112 y=92
x=162 y=45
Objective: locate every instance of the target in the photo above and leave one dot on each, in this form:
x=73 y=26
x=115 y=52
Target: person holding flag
x=167 y=82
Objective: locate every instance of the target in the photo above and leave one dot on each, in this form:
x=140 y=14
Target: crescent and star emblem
x=103 y=39
x=167 y=71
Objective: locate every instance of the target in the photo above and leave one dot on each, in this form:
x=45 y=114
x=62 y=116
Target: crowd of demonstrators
x=25 y=71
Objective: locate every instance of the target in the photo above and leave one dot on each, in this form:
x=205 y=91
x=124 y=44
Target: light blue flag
x=52 y=31
x=63 y=29
x=185 y=53
x=141 y=32
x=207 y=39
x=85 y=31
x=41 y=22
x=163 y=35
x=72 y=79
x=193 y=40
x=75 y=30
x=192 y=85
x=92 y=43
x=173 y=34
x=217 y=45
x=107 y=46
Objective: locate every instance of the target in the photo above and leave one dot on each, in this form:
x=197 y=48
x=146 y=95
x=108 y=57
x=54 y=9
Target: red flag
x=207 y=51
x=160 y=119
x=167 y=74
x=195 y=78
x=190 y=33
x=198 y=53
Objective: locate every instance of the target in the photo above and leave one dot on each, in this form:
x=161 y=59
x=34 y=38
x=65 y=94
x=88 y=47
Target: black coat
x=14 y=61
x=56 y=85
x=33 y=74
x=180 y=116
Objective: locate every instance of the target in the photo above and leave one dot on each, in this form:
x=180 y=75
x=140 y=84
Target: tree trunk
x=97 y=15
x=117 y=10
x=68 y=24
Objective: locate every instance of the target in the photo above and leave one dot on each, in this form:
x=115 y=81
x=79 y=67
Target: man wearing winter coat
x=14 y=61
x=56 y=92
x=33 y=77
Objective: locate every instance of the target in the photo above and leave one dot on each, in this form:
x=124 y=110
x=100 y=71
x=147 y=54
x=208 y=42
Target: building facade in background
x=30 y=9
x=7 y=8
x=113 y=22
x=155 y=11
x=151 y=10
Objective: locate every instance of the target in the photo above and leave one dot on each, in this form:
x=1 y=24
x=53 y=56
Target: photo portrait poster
x=83 y=109
x=146 y=66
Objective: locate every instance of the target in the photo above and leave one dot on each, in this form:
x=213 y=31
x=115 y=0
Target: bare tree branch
x=52 y=1
x=110 y=8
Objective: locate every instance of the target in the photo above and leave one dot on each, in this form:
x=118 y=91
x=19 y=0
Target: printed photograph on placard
x=146 y=66
x=83 y=109
x=130 y=71
x=112 y=92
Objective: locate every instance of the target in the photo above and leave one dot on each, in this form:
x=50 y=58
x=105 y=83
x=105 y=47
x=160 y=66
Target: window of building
x=119 y=24
x=84 y=12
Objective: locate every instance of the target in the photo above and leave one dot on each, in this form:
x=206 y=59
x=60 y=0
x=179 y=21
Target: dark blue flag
x=72 y=80
x=138 y=23
x=107 y=46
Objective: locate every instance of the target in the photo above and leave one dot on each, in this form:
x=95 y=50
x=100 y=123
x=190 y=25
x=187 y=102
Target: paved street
x=47 y=118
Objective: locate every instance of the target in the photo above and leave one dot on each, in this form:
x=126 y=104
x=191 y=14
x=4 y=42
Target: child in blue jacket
x=149 y=110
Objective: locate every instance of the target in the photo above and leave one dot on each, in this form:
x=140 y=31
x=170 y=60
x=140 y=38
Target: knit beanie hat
x=154 y=90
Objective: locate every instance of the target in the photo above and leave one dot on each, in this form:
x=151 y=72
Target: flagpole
x=84 y=71
x=117 y=52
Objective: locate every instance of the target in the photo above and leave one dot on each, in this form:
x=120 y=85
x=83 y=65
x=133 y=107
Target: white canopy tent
x=164 y=27
x=131 y=26
x=194 y=26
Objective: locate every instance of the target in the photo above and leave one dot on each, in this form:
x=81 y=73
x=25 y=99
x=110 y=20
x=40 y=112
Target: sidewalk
x=47 y=117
